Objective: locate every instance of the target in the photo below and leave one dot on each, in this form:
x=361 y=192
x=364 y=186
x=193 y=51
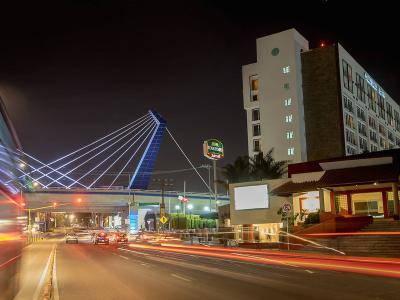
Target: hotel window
x=382 y=130
x=360 y=87
x=289 y=135
x=256 y=146
x=397 y=141
x=348 y=104
x=381 y=107
x=288 y=119
x=350 y=122
x=288 y=102
x=290 y=151
x=286 y=86
x=256 y=130
x=361 y=114
x=373 y=136
x=372 y=123
x=371 y=96
x=383 y=143
x=350 y=137
x=255 y=114
x=391 y=136
x=363 y=144
x=286 y=70
x=362 y=129
x=389 y=114
x=254 y=86
x=350 y=150
x=347 y=76
x=373 y=148
x=397 y=120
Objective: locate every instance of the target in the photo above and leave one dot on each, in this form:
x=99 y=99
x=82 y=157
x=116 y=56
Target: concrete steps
x=369 y=245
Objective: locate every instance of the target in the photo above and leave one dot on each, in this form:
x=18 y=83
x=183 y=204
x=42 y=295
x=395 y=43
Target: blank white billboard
x=251 y=197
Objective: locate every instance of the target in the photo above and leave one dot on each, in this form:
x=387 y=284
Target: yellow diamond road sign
x=163 y=219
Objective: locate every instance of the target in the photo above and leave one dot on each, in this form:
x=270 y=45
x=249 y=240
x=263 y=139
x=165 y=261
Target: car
x=121 y=237
x=71 y=238
x=101 y=238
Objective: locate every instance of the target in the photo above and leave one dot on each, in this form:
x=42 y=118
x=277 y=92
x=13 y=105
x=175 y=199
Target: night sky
x=71 y=71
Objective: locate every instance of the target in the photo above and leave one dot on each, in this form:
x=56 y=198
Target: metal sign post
x=287 y=208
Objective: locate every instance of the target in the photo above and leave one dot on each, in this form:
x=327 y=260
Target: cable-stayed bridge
x=108 y=175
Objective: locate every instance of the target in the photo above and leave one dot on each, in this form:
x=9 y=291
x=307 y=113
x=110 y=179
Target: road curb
x=48 y=289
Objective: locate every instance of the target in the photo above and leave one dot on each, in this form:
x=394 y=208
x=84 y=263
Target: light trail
x=369 y=266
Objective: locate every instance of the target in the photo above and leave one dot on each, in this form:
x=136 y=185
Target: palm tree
x=260 y=167
x=266 y=167
x=239 y=171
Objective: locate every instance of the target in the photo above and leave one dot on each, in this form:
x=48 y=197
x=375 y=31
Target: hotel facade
x=313 y=104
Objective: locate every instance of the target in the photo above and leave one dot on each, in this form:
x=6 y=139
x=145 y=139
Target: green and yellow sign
x=213 y=149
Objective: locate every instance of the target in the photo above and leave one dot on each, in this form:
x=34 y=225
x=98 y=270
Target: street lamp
x=206 y=208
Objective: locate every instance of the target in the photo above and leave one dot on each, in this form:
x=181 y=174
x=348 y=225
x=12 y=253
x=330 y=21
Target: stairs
x=369 y=245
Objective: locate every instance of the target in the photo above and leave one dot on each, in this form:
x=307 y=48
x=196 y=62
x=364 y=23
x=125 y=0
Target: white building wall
x=276 y=86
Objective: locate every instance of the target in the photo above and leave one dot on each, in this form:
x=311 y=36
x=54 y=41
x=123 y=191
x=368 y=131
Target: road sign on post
x=163 y=220
x=287 y=207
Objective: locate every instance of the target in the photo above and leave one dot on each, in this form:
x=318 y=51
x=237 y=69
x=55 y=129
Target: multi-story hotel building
x=311 y=104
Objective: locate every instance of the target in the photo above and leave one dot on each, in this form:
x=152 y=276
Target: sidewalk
x=34 y=265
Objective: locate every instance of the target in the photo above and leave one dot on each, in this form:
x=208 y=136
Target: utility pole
x=215 y=184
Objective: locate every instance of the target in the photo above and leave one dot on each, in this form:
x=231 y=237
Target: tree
x=239 y=171
x=266 y=167
x=260 y=167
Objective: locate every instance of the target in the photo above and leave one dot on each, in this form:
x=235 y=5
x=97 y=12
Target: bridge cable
x=187 y=158
x=98 y=153
x=123 y=153
x=109 y=155
x=98 y=140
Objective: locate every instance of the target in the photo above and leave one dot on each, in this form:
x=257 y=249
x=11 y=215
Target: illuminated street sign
x=213 y=149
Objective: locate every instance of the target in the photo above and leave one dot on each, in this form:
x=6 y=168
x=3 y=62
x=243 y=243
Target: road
x=86 y=271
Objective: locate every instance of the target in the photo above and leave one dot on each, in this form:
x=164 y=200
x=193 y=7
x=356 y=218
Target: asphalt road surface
x=86 y=271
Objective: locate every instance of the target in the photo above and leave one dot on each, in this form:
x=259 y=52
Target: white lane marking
x=43 y=277
x=308 y=271
x=124 y=257
x=180 y=277
x=136 y=252
x=55 y=283
x=266 y=259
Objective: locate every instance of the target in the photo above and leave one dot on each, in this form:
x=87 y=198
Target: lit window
x=286 y=70
x=256 y=130
x=288 y=102
x=288 y=119
x=290 y=151
x=255 y=114
x=289 y=135
x=256 y=146
x=254 y=84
